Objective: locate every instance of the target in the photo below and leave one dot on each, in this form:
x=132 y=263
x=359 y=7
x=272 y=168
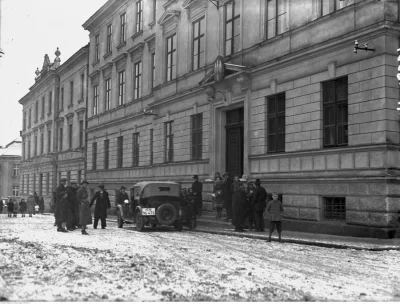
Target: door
x=234 y=142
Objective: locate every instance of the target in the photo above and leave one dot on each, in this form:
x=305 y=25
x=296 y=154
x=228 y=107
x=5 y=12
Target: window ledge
x=108 y=54
x=80 y=100
x=95 y=62
x=70 y=106
x=122 y=44
x=151 y=24
x=137 y=34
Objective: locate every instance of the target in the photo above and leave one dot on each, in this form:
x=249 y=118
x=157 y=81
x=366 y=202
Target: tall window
x=27 y=183
x=71 y=92
x=37 y=110
x=15 y=190
x=139 y=16
x=154 y=9
x=48 y=140
x=121 y=87
x=151 y=146
x=79 y=177
x=48 y=183
x=120 y=152
x=169 y=142
x=16 y=170
x=108 y=95
x=81 y=133
x=276 y=122
x=94 y=155
x=97 y=48
x=60 y=144
x=153 y=70
x=232 y=27
x=137 y=81
x=62 y=99
x=50 y=102
x=122 y=37
x=325 y=7
x=68 y=177
x=29 y=148
x=198 y=43
x=171 y=57
x=335 y=112
x=135 y=149
x=276 y=17
x=95 y=100
x=30 y=118
x=82 y=85
x=106 y=153
x=35 y=143
x=43 y=106
x=70 y=136
x=109 y=39
x=24 y=121
x=197 y=135
x=41 y=143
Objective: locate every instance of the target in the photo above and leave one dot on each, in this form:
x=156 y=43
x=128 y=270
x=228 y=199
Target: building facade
x=10 y=161
x=53 y=138
x=269 y=89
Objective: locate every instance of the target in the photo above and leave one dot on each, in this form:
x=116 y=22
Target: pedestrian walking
x=275 y=210
x=61 y=212
x=258 y=199
x=16 y=207
x=41 y=205
x=227 y=191
x=10 y=208
x=72 y=205
x=250 y=205
x=102 y=205
x=238 y=205
x=22 y=207
x=85 y=215
x=30 y=204
x=219 y=196
x=37 y=201
x=197 y=189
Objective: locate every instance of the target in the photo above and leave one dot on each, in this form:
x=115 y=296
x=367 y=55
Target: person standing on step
x=102 y=205
x=219 y=196
x=259 y=198
x=197 y=189
x=238 y=205
x=85 y=214
x=30 y=204
x=226 y=188
x=250 y=206
x=275 y=210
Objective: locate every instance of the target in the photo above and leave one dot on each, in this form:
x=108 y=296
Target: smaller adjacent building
x=10 y=161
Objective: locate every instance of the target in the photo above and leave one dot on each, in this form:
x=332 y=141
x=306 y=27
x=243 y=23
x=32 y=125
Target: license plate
x=148 y=211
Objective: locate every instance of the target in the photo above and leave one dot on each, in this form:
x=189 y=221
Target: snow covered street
x=37 y=263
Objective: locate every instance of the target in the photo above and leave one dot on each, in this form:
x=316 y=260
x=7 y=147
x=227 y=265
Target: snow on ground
x=37 y=263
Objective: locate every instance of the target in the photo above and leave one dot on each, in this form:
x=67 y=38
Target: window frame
x=153 y=71
x=16 y=169
x=81 y=133
x=94 y=156
x=196 y=122
x=121 y=87
x=168 y=142
x=120 y=153
x=50 y=102
x=122 y=34
x=15 y=190
x=106 y=154
x=135 y=149
x=139 y=16
x=276 y=18
x=95 y=100
x=276 y=138
x=151 y=146
x=198 y=37
x=109 y=39
x=97 y=48
x=62 y=99
x=82 y=85
x=61 y=139
x=70 y=135
x=336 y=213
x=41 y=143
x=171 y=55
x=231 y=22
x=137 y=79
x=48 y=141
x=107 y=100
x=71 y=92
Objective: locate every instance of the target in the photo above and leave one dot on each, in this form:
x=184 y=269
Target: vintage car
x=152 y=204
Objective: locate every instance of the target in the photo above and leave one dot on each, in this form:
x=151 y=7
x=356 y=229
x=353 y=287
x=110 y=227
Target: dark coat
x=10 y=206
x=102 y=204
x=219 y=195
x=226 y=188
x=73 y=206
x=22 y=206
x=275 y=210
x=259 y=198
x=197 y=188
x=41 y=204
x=85 y=214
x=30 y=203
x=238 y=207
x=121 y=197
x=61 y=212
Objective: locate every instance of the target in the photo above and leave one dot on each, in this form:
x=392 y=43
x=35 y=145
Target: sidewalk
x=208 y=224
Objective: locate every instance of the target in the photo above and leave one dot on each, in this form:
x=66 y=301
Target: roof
x=14 y=148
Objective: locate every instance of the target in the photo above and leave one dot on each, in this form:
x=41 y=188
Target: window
x=137 y=81
x=198 y=43
x=40 y=183
x=139 y=16
x=24 y=121
x=34 y=183
x=62 y=99
x=68 y=177
x=71 y=89
x=48 y=140
x=276 y=17
x=48 y=183
x=37 y=110
x=171 y=57
x=70 y=136
x=109 y=39
x=108 y=95
x=82 y=85
x=30 y=118
x=122 y=37
x=43 y=106
x=151 y=146
x=169 y=142
x=59 y=176
x=50 y=101
x=41 y=143
x=153 y=71
x=197 y=135
x=335 y=208
x=154 y=10
x=16 y=170
x=97 y=48
x=135 y=149
x=276 y=122
x=335 y=114
x=106 y=153
x=35 y=143
x=23 y=183
x=232 y=28
x=79 y=177
x=120 y=153
x=60 y=144
x=325 y=7
x=81 y=133
x=15 y=190
x=94 y=155
x=95 y=100
x=121 y=87
x=29 y=148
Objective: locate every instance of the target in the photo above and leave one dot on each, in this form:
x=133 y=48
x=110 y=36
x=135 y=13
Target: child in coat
x=275 y=210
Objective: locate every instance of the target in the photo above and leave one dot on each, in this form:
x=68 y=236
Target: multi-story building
x=53 y=125
x=10 y=160
x=269 y=89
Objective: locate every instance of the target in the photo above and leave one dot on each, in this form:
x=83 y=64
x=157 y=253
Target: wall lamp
x=149 y=113
x=365 y=48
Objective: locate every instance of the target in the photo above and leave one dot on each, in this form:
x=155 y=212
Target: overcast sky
x=29 y=30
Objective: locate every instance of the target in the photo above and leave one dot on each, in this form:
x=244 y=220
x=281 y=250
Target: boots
x=84 y=232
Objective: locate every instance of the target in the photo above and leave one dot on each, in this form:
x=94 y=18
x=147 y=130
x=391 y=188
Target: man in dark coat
x=121 y=196
x=85 y=215
x=238 y=206
x=61 y=212
x=197 y=188
x=41 y=205
x=259 y=203
x=102 y=204
x=73 y=211
x=226 y=188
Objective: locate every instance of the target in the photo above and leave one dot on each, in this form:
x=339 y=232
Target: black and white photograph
x=199 y=150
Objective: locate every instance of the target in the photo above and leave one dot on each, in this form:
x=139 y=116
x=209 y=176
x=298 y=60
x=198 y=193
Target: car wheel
x=139 y=222
x=166 y=214
x=120 y=221
x=178 y=226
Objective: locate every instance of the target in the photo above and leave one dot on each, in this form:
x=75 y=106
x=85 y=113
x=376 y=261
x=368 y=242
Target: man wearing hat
x=61 y=206
x=121 y=196
x=102 y=204
x=197 y=188
x=259 y=202
x=227 y=189
x=73 y=207
x=85 y=215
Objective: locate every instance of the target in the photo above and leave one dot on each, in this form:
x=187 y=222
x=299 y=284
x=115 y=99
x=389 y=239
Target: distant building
x=10 y=162
x=53 y=137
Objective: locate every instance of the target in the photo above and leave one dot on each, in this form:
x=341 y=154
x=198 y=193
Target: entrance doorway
x=234 y=141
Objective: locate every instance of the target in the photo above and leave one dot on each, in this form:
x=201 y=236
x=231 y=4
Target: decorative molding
x=273 y=86
x=48 y=124
x=121 y=45
x=136 y=51
x=94 y=77
x=151 y=42
x=137 y=34
x=120 y=62
x=81 y=113
x=107 y=55
x=69 y=117
x=168 y=3
x=195 y=8
x=107 y=69
x=332 y=69
x=95 y=63
x=169 y=21
x=60 y=121
x=210 y=92
x=244 y=80
x=151 y=24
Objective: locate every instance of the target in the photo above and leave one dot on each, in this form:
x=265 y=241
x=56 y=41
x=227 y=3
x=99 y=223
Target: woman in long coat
x=30 y=204
x=102 y=204
x=85 y=215
x=22 y=207
x=238 y=206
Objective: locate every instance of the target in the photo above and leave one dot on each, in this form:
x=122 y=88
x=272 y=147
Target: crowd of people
x=33 y=205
